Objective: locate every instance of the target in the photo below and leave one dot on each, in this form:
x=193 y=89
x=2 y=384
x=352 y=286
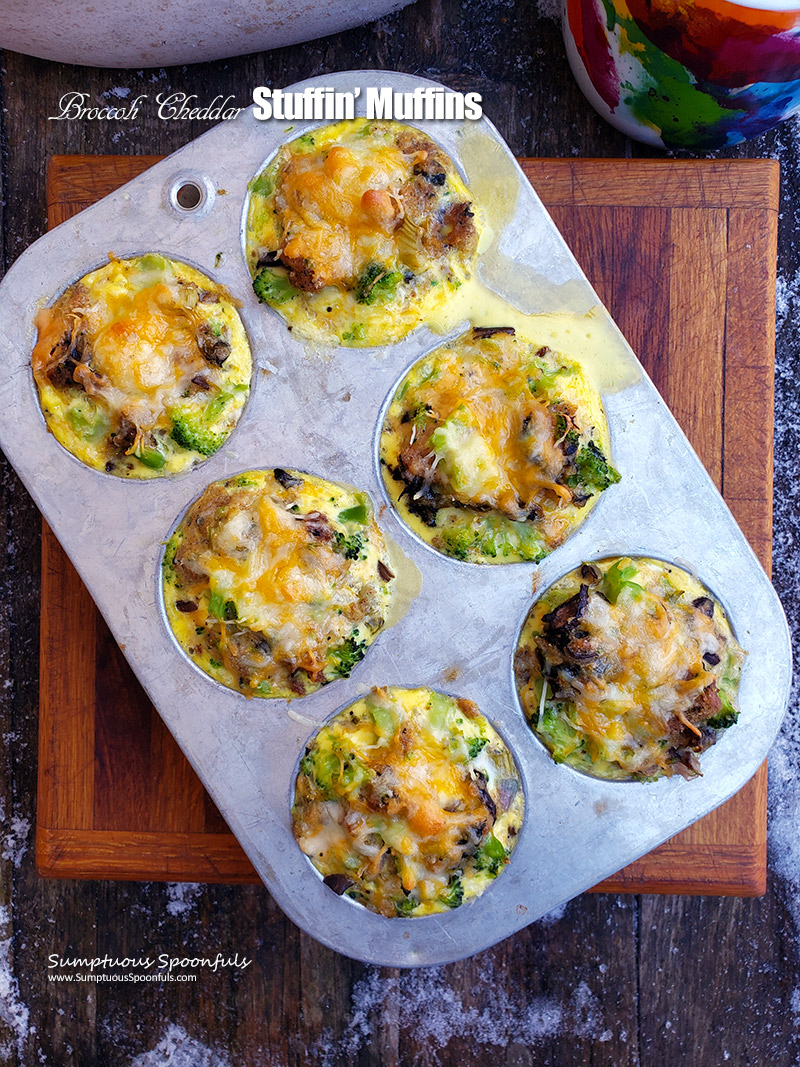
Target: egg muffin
x=276 y=582
x=628 y=669
x=408 y=801
x=359 y=231
x=143 y=367
x=495 y=448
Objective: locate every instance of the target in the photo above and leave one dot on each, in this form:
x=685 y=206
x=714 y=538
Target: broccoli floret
x=529 y=542
x=190 y=430
x=475 y=746
x=453 y=895
x=491 y=856
x=350 y=547
x=334 y=769
x=375 y=281
x=493 y=540
x=307 y=765
x=357 y=333
x=345 y=656
x=545 y=381
x=593 y=471
x=169 y=553
x=273 y=287
x=458 y=542
x=562 y=739
x=405 y=906
x=727 y=716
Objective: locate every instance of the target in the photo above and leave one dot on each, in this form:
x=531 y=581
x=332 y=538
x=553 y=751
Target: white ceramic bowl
x=152 y=33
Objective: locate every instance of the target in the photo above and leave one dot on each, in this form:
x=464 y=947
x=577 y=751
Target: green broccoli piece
x=491 y=856
x=529 y=544
x=87 y=419
x=221 y=608
x=346 y=655
x=273 y=287
x=152 y=261
x=727 y=716
x=190 y=430
x=593 y=471
x=169 y=553
x=616 y=579
x=545 y=382
x=453 y=895
x=307 y=765
x=334 y=770
x=264 y=184
x=560 y=736
x=358 y=333
x=475 y=746
x=350 y=547
x=458 y=542
x=376 y=281
x=405 y=906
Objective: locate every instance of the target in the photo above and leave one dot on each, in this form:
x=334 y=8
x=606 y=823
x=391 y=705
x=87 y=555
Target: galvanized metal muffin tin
x=322 y=412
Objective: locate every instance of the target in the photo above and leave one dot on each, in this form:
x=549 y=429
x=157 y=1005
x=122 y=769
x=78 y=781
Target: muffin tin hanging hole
x=191 y=194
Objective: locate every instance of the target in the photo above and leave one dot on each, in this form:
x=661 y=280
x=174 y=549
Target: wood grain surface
x=683 y=255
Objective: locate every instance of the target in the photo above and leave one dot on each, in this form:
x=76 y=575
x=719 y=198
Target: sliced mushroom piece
x=339 y=883
x=215 y=349
x=704 y=604
x=481 y=333
x=288 y=481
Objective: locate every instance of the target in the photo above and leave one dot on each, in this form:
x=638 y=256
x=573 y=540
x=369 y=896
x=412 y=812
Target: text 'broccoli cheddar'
x=494 y=448
x=408 y=801
x=276 y=582
x=358 y=232
x=628 y=668
x=143 y=367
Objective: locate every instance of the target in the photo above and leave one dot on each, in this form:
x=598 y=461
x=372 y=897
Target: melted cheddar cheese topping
x=629 y=669
x=276 y=582
x=408 y=801
x=143 y=367
x=494 y=448
x=358 y=232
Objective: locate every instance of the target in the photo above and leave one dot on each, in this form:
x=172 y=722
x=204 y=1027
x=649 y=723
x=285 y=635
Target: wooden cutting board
x=683 y=255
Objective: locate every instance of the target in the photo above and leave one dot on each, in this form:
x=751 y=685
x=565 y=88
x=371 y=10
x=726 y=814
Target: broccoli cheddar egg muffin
x=143 y=367
x=494 y=448
x=408 y=801
x=276 y=582
x=357 y=232
x=627 y=669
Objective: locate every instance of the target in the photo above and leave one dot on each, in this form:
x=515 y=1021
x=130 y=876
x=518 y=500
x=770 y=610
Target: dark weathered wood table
x=616 y=981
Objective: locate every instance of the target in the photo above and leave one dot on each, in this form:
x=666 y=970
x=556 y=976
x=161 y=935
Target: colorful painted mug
x=696 y=74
